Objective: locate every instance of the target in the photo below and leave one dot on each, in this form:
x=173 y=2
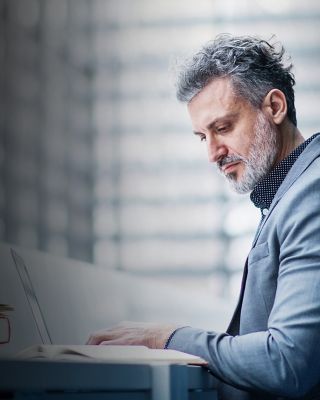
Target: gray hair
x=254 y=65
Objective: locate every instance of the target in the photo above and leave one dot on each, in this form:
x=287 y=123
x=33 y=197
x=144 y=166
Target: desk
x=70 y=380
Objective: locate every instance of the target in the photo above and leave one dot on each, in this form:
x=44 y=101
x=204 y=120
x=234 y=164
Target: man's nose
x=216 y=150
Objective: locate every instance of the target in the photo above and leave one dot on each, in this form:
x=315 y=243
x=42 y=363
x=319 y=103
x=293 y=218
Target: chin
x=238 y=186
x=232 y=177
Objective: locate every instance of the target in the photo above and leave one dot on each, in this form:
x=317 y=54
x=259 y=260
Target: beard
x=261 y=158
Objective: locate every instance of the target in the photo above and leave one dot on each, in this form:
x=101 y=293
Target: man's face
x=240 y=138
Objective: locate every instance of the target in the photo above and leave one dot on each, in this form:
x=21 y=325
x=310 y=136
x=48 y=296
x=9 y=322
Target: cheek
x=242 y=145
x=240 y=149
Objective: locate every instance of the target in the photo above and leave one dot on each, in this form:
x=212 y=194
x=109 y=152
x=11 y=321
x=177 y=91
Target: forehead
x=215 y=100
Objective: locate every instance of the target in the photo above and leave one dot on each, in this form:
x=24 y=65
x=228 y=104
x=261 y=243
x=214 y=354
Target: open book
x=109 y=354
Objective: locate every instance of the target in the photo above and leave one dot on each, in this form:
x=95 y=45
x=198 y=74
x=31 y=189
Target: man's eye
x=203 y=138
x=222 y=129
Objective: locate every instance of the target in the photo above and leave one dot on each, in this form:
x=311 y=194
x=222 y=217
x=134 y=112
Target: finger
x=92 y=340
x=97 y=338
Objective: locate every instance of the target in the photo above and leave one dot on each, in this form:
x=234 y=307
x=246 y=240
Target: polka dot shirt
x=263 y=194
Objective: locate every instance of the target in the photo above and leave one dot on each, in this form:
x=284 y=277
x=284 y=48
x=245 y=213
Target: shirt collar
x=264 y=192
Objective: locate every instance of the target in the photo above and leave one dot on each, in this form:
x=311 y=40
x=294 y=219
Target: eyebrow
x=216 y=121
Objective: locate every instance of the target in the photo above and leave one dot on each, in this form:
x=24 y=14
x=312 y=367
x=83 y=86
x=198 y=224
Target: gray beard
x=261 y=158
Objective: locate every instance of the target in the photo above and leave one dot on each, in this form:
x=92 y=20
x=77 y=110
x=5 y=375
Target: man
x=240 y=99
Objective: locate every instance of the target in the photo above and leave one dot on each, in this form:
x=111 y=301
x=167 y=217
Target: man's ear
x=275 y=104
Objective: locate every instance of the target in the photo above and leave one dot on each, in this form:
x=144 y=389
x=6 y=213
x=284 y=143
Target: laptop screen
x=32 y=298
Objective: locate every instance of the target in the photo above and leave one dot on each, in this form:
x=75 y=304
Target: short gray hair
x=254 y=65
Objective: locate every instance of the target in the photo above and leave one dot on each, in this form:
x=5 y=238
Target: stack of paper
x=109 y=354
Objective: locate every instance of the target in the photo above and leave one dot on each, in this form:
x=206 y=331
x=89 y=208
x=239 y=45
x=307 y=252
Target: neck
x=289 y=138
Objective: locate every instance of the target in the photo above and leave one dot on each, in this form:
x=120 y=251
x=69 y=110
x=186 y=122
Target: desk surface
x=52 y=376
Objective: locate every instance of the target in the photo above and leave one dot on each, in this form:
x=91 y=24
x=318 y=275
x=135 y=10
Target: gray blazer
x=272 y=347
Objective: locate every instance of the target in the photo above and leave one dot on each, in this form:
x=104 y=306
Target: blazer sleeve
x=285 y=358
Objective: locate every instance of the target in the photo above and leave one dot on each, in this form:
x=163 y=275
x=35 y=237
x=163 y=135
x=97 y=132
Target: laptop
x=31 y=297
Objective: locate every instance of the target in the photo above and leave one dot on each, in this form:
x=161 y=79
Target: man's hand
x=134 y=333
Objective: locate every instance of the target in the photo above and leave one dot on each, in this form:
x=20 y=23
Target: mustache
x=230 y=159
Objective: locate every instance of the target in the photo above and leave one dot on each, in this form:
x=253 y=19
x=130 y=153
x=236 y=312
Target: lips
x=227 y=168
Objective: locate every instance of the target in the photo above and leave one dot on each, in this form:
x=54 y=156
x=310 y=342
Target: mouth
x=230 y=167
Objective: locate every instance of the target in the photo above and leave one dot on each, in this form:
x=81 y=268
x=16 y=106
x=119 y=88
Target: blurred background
x=97 y=159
